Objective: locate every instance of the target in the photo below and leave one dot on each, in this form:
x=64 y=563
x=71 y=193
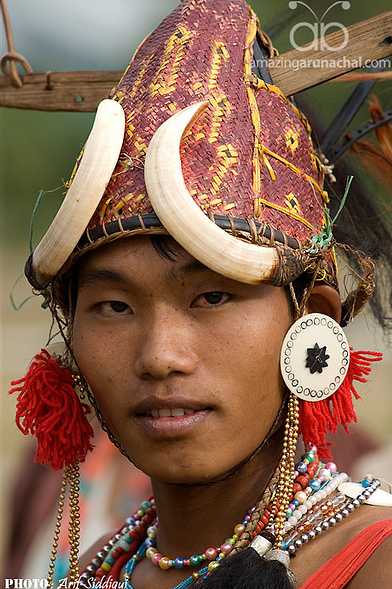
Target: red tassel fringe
x=49 y=408
x=316 y=419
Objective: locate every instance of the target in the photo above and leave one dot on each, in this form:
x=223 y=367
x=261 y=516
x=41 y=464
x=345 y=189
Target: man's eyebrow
x=193 y=266
x=188 y=268
x=95 y=275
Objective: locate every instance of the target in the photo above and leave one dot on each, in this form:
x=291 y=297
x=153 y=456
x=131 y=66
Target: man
x=192 y=271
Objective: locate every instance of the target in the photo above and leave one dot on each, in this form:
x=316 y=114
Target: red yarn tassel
x=318 y=418
x=49 y=408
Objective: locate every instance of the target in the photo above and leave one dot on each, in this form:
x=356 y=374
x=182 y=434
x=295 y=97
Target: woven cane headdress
x=212 y=154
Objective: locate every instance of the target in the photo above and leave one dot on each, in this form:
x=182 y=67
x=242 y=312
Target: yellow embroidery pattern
x=250 y=37
x=119 y=96
x=267 y=163
x=292 y=203
x=257 y=208
x=222 y=109
x=292 y=140
x=172 y=106
x=227 y=157
x=286 y=211
x=126 y=199
x=166 y=77
x=294 y=169
x=138 y=142
x=220 y=54
x=103 y=207
x=254 y=109
x=255 y=116
x=139 y=78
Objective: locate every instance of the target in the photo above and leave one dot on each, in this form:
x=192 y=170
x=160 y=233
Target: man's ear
x=325 y=299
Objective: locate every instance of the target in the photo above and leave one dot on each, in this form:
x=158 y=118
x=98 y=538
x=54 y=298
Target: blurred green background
x=38 y=151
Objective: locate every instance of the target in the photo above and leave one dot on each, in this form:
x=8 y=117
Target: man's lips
x=173 y=406
x=171 y=416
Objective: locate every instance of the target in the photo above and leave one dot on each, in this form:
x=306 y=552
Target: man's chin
x=170 y=472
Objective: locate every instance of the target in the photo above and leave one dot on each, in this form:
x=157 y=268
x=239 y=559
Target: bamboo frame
x=82 y=91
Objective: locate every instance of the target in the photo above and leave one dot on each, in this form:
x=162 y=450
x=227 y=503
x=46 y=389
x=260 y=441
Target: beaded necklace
x=315 y=506
x=211 y=554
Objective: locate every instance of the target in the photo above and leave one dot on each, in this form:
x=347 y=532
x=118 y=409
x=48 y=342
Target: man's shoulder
x=368 y=515
x=377 y=570
x=88 y=556
x=327 y=545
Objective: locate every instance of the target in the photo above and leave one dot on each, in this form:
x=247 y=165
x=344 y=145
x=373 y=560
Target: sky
x=82 y=34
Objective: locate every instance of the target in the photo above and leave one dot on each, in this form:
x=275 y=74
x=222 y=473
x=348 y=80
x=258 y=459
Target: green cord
x=322 y=240
x=344 y=199
x=37 y=203
x=16 y=306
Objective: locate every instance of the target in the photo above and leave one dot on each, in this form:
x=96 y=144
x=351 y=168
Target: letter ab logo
x=319 y=28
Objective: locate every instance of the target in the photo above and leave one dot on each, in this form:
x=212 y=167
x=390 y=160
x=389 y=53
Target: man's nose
x=166 y=347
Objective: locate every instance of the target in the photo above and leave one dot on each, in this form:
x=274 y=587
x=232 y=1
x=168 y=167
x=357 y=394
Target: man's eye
x=113 y=308
x=212 y=299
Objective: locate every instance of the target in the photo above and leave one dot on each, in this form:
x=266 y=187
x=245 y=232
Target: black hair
x=362 y=223
x=163 y=245
x=65 y=286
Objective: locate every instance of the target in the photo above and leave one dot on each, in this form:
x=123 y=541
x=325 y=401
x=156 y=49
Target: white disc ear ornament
x=315 y=357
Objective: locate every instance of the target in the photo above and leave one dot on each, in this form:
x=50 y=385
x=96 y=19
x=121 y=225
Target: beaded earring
x=53 y=406
x=70 y=482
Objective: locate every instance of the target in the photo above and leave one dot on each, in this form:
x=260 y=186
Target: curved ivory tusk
x=186 y=222
x=96 y=166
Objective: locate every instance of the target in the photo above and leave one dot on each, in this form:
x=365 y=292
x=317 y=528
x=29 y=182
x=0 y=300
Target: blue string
x=190 y=580
x=132 y=562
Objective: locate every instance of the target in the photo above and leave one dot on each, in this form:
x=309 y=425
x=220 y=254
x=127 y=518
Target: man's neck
x=194 y=517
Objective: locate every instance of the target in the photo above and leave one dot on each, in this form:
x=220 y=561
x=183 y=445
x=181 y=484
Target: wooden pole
x=294 y=71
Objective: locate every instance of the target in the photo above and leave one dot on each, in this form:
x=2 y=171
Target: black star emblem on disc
x=317 y=358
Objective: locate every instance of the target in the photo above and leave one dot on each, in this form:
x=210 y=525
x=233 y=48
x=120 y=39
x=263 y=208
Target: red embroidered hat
x=194 y=144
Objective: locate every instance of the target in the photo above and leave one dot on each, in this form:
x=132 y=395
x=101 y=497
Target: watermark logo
x=102 y=583
x=25 y=583
x=319 y=28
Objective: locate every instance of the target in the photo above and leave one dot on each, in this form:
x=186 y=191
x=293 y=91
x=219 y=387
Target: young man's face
x=183 y=362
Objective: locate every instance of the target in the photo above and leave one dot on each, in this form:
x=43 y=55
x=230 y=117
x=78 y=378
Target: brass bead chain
x=59 y=518
x=287 y=468
x=74 y=522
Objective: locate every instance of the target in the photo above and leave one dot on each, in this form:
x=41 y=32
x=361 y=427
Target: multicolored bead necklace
x=315 y=506
x=333 y=513
x=210 y=554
